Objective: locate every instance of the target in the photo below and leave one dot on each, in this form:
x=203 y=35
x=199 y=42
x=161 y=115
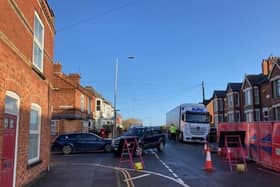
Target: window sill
x=36 y=163
x=38 y=72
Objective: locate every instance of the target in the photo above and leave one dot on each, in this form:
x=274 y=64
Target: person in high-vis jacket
x=173 y=131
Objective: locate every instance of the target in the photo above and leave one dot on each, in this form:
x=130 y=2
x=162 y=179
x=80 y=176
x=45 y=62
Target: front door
x=8 y=150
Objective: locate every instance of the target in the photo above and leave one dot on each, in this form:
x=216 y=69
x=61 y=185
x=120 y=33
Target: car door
x=75 y=140
x=148 y=138
x=92 y=143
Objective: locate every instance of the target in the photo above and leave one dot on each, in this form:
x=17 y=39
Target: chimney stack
x=267 y=64
x=74 y=78
x=57 y=68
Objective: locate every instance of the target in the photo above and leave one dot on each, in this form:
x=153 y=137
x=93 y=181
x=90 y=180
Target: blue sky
x=177 y=44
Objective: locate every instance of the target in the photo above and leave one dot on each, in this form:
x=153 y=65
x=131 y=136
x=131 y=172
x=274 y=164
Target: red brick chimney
x=74 y=78
x=57 y=68
x=267 y=64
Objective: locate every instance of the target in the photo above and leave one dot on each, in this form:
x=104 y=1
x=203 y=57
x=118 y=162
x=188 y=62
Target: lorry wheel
x=160 y=147
x=181 y=137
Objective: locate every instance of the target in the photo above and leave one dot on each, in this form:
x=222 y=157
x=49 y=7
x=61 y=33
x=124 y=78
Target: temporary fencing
x=261 y=142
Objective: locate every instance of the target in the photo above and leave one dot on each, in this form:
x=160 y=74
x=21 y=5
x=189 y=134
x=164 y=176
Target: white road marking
x=174 y=174
x=138 y=177
x=161 y=175
x=128 y=169
x=180 y=181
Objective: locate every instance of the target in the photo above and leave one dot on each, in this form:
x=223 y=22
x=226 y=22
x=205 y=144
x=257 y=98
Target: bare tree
x=131 y=122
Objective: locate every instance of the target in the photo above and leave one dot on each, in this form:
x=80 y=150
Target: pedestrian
x=173 y=131
x=102 y=132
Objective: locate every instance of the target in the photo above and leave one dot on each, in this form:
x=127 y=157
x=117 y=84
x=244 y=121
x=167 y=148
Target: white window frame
x=216 y=119
x=220 y=104
x=230 y=117
x=37 y=108
x=82 y=103
x=237 y=113
x=221 y=118
x=216 y=105
x=275 y=113
x=89 y=105
x=54 y=124
x=257 y=115
x=38 y=43
x=230 y=100
x=256 y=95
x=250 y=100
x=250 y=115
x=276 y=89
x=236 y=98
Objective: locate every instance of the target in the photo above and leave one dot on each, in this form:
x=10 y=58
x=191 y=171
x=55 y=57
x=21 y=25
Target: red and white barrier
x=262 y=141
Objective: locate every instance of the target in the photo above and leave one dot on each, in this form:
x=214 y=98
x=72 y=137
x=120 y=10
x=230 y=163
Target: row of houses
x=77 y=108
x=256 y=98
x=36 y=98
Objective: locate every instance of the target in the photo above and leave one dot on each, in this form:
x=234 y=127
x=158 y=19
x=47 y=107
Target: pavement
x=179 y=165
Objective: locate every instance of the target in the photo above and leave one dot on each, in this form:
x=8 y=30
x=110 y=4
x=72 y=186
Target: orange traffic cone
x=208 y=166
x=205 y=147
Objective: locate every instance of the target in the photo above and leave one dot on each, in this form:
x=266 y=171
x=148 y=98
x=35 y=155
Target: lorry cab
x=192 y=120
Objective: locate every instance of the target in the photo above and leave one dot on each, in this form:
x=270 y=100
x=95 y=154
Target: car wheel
x=67 y=149
x=160 y=147
x=108 y=148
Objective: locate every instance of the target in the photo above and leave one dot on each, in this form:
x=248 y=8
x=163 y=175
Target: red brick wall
x=16 y=75
x=69 y=126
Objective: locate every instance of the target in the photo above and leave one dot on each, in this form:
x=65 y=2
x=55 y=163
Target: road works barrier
x=261 y=142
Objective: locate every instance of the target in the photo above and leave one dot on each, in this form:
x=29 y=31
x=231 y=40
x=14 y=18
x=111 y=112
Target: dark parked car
x=148 y=138
x=81 y=142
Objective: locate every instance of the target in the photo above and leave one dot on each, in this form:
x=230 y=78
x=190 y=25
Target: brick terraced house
x=251 y=99
x=73 y=105
x=26 y=62
x=218 y=106
x=233 y=106
x=274 y=90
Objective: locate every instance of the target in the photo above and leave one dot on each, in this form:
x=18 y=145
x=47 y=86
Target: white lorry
x=192 y=121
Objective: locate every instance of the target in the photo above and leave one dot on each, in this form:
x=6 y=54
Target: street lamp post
x=115 y=94
x=115 y=98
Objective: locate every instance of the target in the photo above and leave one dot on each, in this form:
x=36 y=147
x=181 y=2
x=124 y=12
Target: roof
x=207 y=101
x=256 y=79
x=219 y=93
x=276 y=64
x=235 y=86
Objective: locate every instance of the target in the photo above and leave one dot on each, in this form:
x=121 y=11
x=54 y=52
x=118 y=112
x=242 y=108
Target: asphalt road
x=179 y=165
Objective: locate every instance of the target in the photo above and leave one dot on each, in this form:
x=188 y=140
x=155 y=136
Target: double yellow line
x=127 y=177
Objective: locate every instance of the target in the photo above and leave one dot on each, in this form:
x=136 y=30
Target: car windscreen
x=134 y=132
x=193 y=117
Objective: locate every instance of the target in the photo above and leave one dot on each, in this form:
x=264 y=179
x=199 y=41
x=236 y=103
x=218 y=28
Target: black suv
x=148 y=138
